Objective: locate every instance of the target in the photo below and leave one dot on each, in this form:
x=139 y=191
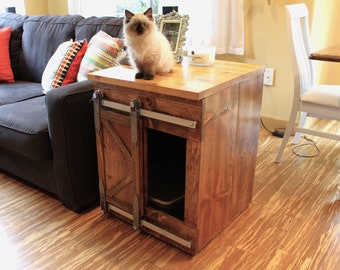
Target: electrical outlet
x=268 y=78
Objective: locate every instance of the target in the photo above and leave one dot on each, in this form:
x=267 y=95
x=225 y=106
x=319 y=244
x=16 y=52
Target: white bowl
x=201 y=55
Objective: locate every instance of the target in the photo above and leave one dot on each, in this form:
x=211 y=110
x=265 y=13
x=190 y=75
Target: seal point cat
x=148 y=49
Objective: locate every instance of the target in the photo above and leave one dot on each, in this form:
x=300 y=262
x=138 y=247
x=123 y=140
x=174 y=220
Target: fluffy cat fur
x=149 y=51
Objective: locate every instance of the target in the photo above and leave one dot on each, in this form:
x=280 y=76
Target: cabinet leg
x=135 y=212
x=103 y=204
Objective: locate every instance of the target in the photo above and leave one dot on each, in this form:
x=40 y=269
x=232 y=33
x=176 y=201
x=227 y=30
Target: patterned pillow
x=72 y=73
x=60 y=64
x=6 y=73
x=102 y=52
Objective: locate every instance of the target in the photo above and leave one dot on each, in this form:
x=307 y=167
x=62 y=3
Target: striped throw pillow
x=60 y=63
x=102 y=52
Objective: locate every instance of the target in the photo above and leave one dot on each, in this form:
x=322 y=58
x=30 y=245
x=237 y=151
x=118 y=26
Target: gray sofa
x=49 y=140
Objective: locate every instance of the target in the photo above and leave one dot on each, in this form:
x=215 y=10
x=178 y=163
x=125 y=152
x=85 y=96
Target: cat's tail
x=167 y=64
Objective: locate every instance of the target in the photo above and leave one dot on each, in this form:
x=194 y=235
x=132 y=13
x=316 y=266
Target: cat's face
x=139 y=24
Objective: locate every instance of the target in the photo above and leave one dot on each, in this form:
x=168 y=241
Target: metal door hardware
x=151 y=114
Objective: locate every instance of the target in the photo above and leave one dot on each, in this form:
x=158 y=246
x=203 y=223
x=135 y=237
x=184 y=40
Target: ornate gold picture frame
x=174 y=26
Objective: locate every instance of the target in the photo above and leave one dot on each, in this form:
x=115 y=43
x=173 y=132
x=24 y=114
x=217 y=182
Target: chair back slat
x=299 y=45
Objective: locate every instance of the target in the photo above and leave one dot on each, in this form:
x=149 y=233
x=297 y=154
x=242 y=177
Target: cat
x=148 y=49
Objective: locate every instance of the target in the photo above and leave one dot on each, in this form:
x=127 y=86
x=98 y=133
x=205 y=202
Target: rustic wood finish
x=185 y=81
x=220 y=151
x=293 y=223
x=331 y=54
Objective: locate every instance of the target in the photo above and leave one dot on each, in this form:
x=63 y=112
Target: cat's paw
x=139 y=75
x=148 y=76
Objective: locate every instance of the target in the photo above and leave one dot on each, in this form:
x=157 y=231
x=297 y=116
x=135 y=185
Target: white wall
x=18 y=4
x=89 y=8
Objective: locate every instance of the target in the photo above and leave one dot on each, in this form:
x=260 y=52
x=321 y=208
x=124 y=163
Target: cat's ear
x=128 y=15
x=148 y=13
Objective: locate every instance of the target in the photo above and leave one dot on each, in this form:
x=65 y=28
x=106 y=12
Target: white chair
x=320 y=101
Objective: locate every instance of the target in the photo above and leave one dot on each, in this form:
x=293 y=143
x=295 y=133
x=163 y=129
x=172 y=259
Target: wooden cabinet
x=177 y=154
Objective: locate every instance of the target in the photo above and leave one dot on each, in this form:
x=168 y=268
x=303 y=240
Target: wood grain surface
x=293 y=223
x=185 y=81
x=218 y=183
x=331 y=54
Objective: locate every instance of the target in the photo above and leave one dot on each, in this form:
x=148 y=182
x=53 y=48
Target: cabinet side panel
x=228 y=158
x=217 y=163
x=246 y=143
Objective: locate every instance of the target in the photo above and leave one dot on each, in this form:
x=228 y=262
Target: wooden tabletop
x=186 y=81
x=331 y=54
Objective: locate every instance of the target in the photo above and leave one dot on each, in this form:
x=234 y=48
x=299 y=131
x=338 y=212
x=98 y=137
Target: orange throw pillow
x=6 y=73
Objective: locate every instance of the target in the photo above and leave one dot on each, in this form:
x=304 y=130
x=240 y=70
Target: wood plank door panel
x=118 y=159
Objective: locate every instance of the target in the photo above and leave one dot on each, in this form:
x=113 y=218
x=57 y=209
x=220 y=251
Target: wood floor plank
x=293 y=222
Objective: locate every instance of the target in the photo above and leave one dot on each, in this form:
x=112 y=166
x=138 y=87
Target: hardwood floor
x=292 y=223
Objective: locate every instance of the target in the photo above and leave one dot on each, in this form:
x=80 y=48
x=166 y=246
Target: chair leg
x=288 y=132
x=303 y=117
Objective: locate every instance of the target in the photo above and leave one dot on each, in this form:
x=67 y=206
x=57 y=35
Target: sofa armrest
x=72 y=133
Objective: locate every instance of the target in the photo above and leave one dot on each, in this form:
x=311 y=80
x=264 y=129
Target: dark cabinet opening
x=166 y=172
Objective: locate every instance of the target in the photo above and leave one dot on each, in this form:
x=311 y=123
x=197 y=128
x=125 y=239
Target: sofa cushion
x=42 y=36
x=18 y=91
x=16 y=21
x=90 y=26
x=6 y=73
x=101 y=53
x=60 y=63
x=23 y=128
